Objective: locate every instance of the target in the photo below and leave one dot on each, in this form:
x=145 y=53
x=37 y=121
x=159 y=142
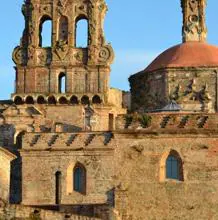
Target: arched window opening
x=18 y=139
x=85 y=100
x=41 y=100
x=57 y=187
x=51 y=100
x=62 y=83
x=81 y=33
x=79 y=179
x=29 y=100
x=96 y=100
x=74 y=100
x=18 y=100
x=63 y=101
x=45 y=32
x=174 y=169
x=63 y=29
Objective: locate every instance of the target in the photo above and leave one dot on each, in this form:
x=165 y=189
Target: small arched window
x=18 y=100
x=63 y=29
x=81 y=33
x=74 y=100
x=79 y=179
x=29 y=100
x=52 y=100
x=62 y=83
x=174 y=169
x=63 y=101
x=96 y=100
x=41 y=100
x=18 y=139
x=45 y=32
x=57 y=187
x=85 y=100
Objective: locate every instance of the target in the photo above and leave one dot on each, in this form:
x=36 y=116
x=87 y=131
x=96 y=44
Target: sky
x=138 y=30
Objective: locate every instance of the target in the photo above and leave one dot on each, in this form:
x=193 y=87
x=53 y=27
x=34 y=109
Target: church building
x=72 y=147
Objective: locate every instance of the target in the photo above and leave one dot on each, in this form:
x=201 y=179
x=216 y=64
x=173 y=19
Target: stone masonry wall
x=141 y=195
x=5 y=168
x=44 y=157
x=10 y=212
x=193 y=89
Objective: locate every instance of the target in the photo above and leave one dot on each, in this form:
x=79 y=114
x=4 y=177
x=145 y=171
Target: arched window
x=52 y=100
x=62 y=83
x=63 y=29
x=29 y=100
x=81 y=33
x=63 y=100
x=85 y=100
x=74 y=100
x=174 y=169
x=57 y=187
x=96 y=100
x=18 y=139
x=45 y=32
x=79 y=179
x=41 y=100
x=18 y=100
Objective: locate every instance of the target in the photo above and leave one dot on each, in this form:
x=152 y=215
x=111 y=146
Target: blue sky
x=138 y=31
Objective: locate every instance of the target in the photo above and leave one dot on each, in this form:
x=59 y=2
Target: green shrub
x=145 y=121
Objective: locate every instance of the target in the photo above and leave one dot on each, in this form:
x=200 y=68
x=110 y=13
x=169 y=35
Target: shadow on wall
x=16 y=182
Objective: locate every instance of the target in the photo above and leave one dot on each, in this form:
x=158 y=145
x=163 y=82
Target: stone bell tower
x=40 y=70
x=194 y=27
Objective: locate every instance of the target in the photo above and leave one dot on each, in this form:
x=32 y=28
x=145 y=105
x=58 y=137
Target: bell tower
x=42 y=71
x=194 y=25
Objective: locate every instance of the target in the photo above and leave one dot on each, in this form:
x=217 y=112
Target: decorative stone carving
x=18 y=55
x=61 y=49
x=175 y=94
x=31 y=52
x=79 y=56
x=106 y=54
x=43 y=57
x=194 y=28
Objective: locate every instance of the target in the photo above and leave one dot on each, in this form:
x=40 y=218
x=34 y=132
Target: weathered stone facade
x=77 y=154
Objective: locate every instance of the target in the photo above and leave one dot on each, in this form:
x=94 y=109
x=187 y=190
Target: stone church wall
x=5 y=173
x=19 y=212
x=39 y=169
x=142 y=193
x=192 y=89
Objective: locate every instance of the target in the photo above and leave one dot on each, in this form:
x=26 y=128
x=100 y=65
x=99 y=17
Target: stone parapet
x=68 y=141
x=168 y=121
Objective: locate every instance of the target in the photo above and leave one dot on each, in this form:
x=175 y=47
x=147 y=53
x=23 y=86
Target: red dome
x=189 y=54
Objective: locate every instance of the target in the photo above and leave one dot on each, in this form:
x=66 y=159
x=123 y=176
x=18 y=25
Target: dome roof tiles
x=189 y=54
